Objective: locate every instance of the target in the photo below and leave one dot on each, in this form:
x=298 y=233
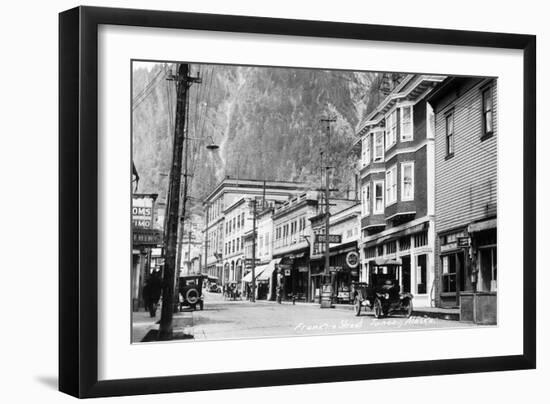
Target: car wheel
x=192 y=296
x=409 y=309
x=378 y=312
x=357 y=306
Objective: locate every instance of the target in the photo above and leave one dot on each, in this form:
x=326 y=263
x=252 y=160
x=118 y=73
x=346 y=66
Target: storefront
x=454 y=263
x=413 y=246
x=295 y=271
x=266 y=281
x=343 y=271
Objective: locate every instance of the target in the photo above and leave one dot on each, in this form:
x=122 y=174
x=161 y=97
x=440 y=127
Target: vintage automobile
x=190 y=291
x=214 y=288
x=382 y=293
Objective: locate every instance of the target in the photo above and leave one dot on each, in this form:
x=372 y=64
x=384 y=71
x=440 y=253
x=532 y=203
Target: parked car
x=382 y=293
x=190 y=291
x=214 y=287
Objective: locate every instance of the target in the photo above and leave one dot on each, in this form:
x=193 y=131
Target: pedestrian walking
x=151 y=293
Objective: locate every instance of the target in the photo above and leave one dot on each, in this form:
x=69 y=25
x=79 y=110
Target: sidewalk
x=432 y=312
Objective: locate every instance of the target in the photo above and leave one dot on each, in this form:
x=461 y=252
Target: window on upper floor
x=366 y=150
x=449 y=134
x=366 y=199
x=487 y=112
x=407 y=181
x=378 y=197
x=391 y=129
x=378 y=146
x=391 y=185
x=406 y=123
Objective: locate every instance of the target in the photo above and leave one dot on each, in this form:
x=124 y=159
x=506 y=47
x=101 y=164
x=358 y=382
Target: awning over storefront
x=268 y=270
x=395 y=235
x=257 y=272
x=386 y=261
x=485 y=225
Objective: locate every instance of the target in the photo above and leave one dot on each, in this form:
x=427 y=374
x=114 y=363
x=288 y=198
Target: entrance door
x=406 y=274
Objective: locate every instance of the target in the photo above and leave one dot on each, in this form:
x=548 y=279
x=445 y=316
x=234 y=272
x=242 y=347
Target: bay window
x=407 y=181
x=378 y=146
x=391 y=129
x=366 y=150
x=378 y=197
x=406 y=123
x=366 y=200
x=391 y=185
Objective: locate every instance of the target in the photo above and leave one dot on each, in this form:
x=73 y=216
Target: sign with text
x=463 y=241
x=142 y=212
x=147 y=237
x=332 y=238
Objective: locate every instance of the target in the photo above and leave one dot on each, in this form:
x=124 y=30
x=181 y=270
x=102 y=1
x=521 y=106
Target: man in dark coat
x=151 y=293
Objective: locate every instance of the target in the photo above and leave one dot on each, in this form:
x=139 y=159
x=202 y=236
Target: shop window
x=487 y=281
x=370 y=252
x=421 y=274
x=421 y=239
x=487 y=112
x=391 y=247
x=404 y=243
x=407 y=123
x=452 y=268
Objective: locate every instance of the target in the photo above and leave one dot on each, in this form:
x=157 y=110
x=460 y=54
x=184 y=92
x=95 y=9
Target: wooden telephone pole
x=327 y=202
x=183 y=82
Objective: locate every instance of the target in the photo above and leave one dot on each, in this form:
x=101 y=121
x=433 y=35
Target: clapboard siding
x=465 y=184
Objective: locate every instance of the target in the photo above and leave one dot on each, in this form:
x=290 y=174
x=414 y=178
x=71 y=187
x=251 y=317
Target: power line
x=138 y=99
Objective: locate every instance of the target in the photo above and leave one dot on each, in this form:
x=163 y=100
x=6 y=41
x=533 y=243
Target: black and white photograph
x=287 y=201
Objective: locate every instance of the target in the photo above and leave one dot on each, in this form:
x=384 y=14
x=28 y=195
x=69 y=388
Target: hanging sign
x=352 y=259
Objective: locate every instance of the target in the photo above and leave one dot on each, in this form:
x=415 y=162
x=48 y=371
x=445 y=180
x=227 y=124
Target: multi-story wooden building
x=216 y=204
x=466 y=189
x=397 y=184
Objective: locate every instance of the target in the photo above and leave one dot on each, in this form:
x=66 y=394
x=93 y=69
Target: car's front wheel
x=357 y=307
x=409 y=308
x=378 y=312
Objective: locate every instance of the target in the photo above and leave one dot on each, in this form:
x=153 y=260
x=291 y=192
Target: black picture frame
x=78 y=200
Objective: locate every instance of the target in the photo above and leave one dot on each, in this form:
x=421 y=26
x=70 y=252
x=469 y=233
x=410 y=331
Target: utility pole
x=327 y=205
x=206 y=241
x=253 y=250
x=190 y=233
x=183 y=82
x=327 y=280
